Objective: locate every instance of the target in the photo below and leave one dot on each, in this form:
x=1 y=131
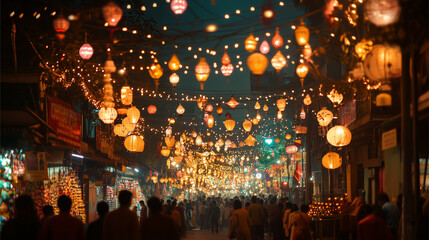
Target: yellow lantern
x=339 y=136
x=126 y=95
x=257 y=105
x=128 y=125
x=279 y=115
x=155 y=70
x=258 y=116
x=250 y=43
x=174 y=63
x=307 y=51
x=174 y=79
x=107 y=114
x=288 y=136
x=165 y=151
x=331 y=160
x=219 y=110
x=211 y=144
x=257 y=63
x=122 y=111
x=225 y=59
x=302 y=71
x=198 y=140
x=265 y=108
x=171 y=120
x=335 y=97
x=277 y=40
x=381 y=12
x=250 y=141
x=383 y=62
x=363 y=47
x=210 y=121
x=307 y=100
x=169 y=141
x=278 y=61
x=247 y=125
x=229 y=124
x=255 y=121
x=109 y=65
x=201 y=102
x=281 y=104
x=120 y=130
x=134 y=143
x=180 y=109
x=202 y=72
x=383 y=99
x=133 y=114
x=302 y=34
x=324 y=117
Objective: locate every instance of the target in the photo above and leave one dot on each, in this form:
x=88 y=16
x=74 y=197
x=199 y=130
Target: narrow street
x=206 y=235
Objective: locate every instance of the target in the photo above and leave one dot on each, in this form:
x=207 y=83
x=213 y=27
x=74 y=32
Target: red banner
x=347 y=113
x=298 y=172
x=65 y=121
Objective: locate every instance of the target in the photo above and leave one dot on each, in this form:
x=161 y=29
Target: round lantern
x=134 y=143
x=277 y=40
x=107 y=114
x=227 y=69
x=324 y=117
x=291 y=149
x=210 y=121
x=86 y=51
x=209 y=108
x=281 y=104
x=126 y=95
x=174 y=63
x=109 y=65
x=302 y=34
x=250 y=141
x=128 y=125
x=331 y=160
x=250 y=43
x=120 y=130
x=219 y=110
x=202 y=72
x=358 y=72
x=302 y=71
x=339 y=136
x=335 y=97
x=257 y=63
x=232 y=103
x=302 y=114
x=383 y=62
x=288 y=136
x=225 y=59
x=265 y=47
x=383 y=100
x=165 y=151
x=174 y=79
x=277 y=140
x=61 y=25
x=180 y=109
x=178 y=6
x=156 y=71
x=229 y=124
x=133 y=114
x=307 y=51
x=151 y=109
x=382 y=12
x=307 y=100
x=278 y=61
x=112 y=14
x=170 y=141
x=247 y=125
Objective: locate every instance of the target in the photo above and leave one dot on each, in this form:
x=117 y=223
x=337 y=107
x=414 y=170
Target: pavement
x=206 y=235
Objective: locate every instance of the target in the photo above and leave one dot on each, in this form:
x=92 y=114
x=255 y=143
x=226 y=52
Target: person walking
x=48 y=211
x=95 y=229
x=302 y=223
x=121 y=223
x=390 y=211
x=143 y=211
x=214 y=214
x=257 y=217
x=239 y=224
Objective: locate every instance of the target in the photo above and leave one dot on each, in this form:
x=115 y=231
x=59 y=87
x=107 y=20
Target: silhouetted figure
x=63 y=226
x=25 y=225
x=390 y=212
x=48 y=211
x=302 y=224
x=256 y=213
x=373 y=227
x=143 y=211
x=95 y=229
x=214 y=213
x=158 y=226
x=239 y=224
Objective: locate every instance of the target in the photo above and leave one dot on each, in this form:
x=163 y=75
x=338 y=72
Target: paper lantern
x=277 y=140
x=170 y=141
x=120 y=130
x=307 y=51
x=302 y=114
x=198 y=140
x=247 y=125
x=201 y=102
x=358 y=72
x=174 y=63
x=109 y=65
x=250 y=141
x=122 y=111
x=307 y=100
x=210 y=121
x=229 y=124
x=300 y=130
x=225 y=59
x=219 y=110
x=302 y=71
x=61 y=25
x=112 y=14
x=335 y=97
x=211 y=144
x=278 y=61
x=227 y=69
x=151 y=109
x=302 y=34
x=257 y=106
x=165 y=151
x=171 y=121
x=209 y=108
x=265 y=108
x=281 y=104
x=180 y=109
x=178 y=6
x=382 y=12
x=134 y=143
x=291 y=149
x=363 y=47
x=133 y=114
x=288 y=136
x=265 y=47
x=255 y=121
x=194 y=134
x=339 y=136
x=258 y=116
x=202 y=72
x=257 y=63
x=279 y=115
x=331 y=160
x=174 y=79
x=383 y=100
x=126 y=95
x=324 y=117
x=107 y=114
x=277 y=40
x=383 y=62
x=155 y=70
x=86 y=51
x=128 y=125
x=232 y=103
x=250 y=43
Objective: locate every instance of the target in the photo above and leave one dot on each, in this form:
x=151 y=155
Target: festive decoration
x=86 y=51
x=170 y=141
x=109 y=65
x=383 y=62
x=288 y=136
x=281 y=104
x=383 y=100
x=61 y=25
x=112 y=14
x=265 y=108
x=257 y=63
x=302 y=71
x=174 y=79
x=225 y=59
x=210 y=121
x=219 y=110
x=151 y=109
x=126 y=95
x=291 y=149
x=209 y=108
x=133 y=114
x=156 y=72
x=324 y=117
x=227 y=69
x=165 y=151
x=302 y=114
x=178 y=6
x=107 y=114
x=277 y=40
x=302 y=34
x=128 y=125
x=202 y=72
x=250 y=43
x=363 y=47
x=265 y=47
x=382 y=12
x=331 y=160
x=307 y=100
x=255 y=121
x=339 y=136
x=201 y=102
x=174 y=63
x=257 y=106
x=247 y=125
x=279 y=115
x=307 y=51
x=180 y=109
x=250 y=141
x=335 y=97
x=120 y=130
x=134 y=143
x=278 y=61
x=198 y=140
x=232 y=103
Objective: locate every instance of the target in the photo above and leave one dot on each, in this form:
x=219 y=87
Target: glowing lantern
x=109 y=65
x=241 y=144
x=257 y=63
x=264 y=48
x=202 y=72
x=229 y=124
x=220 y=142
x=382 y=12
x=227 y=69
x=174 y=79
x=383 y=62
x=302 y=34
x=225 y=59
x=107 y=114
x=247 y=125
x=194 y=134
x=288 y=136
x=363 y=47
x=281 y=104
x=279 y=115
x=86 y=51
x=151 y=109
x=134 y=143
x=211 y=144
x=209 y=108
x=210 y=121
x=219 y=110
x=331 y=160
x=278 y=61
x=383 y=99
x=198 y=140
x=255 y=121
x=339 y=136
x=250 y=43
x=61 y=25
x=128 y=125
x=232 y=103
x=165 y=151
x=122 y=111
x=277 y=40
x=201 y=102
x=174 y=63
x=250 y=141
x=133 y=114
x=112 y=14
x=324 y=117
x=178 y=6
x=276 y=140
x=265 y=108
x=302 y=114
x=171 y=121
x=307 y=51
x=170 y=141
x=258 y=116
x=307 y=100
x=126 y=95
x=291 y=149
x=335 y=97
x=257 y=105
x=177 y=152
x=120 y=130
x=156 y=71
x=180 y=109
x=302 y=71
x=358 y=72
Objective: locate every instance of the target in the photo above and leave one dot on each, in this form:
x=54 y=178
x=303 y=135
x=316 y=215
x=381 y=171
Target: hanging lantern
x=291 y=149
x=358 y=72
x=122 y=111
x=220 y=142
x=225 y=59
x=120 y=130
x=339 y=136
x=180 y=109
x=301 y=130
x=109 y=65
x=247 y=125
x=202 y=72
x=177 y=152
x=165 y=151
x=281 y=104
x=229 y=124
x=382 y=12
x=279 y=115
x=257 y=106
x=155 y=70
x=302 y=114
x=174 y=79
x=307 y=51
x=302 y=34
x=133 y=114
x=201 y=102
x=61 y=25
x=324 y=117
x=171 y=121
x=258 y=116
x=210 y=121
x=257 y=63
x=383 y=62
x=265 y=108
x=198 y=140
x=255 y=121
x=178 y=6
x=128 y=125
x=211 y=144
x=250 y=141
x=170 y=141
x=86 y=51
x=151 y=109
x=209 y=108
x=335 y=97
x=288 y=136
x=219 y=110
x=232 y=103
x=107 y=114
x=227 y=69
x=383 y=100
x=134 y=143
x=302 y=71
x=112 y=14
x=126 y=95
x=194 y=134
x=363 y=47
x=278 y=61
x=277 y=40
x=331 y=160
x=277 y=140
x=307 y=100
x=174 y=63
x=250 y=43
x=265 y=47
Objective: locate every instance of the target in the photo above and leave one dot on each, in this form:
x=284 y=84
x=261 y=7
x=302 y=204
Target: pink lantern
x=86 y=51
x=178 y=6
x=61 y=24
x=265 y=48
x=227 y=69
x=291 y=149
x=112 y=14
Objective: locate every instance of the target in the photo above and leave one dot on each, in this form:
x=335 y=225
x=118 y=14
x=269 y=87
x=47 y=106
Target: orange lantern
x=165 y=151
x=155 y=70
x=302 y=34
x=331 y=160
x=257 y=106
x=335 y=97
x=265 y=108
x=61 y=25
x=107 y=114
x=151 y=109
x=201 y=102
x=202 y=72
x=255 y=121
x=288 y=136
x=174 y=79
x=247 y=125
x=133 y=114
x=174 y=63
x=126 y=95
x=112 y=14
x=232 y=102
x=291 y=149
x=209 y=108
x=134 y=143
x=250 y=43
x=302 y=71
x=250 y=141
x=257 y=63
x=339 y=136
x=307 y=100
x=276 y=140
x=278 y=61
x=219 y=110
x=277 y=40
x=210 y=121
x=180 y=109
x=281 y=104
x=225 y=59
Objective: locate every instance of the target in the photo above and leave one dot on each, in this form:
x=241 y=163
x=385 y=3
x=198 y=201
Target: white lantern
x=174 y=79
x=133 y=114
x=382 y=12
x=383 y=62
x=107 y=114
x=339 y=136
x=324 y=117
x=126 y=95
x=86 y=51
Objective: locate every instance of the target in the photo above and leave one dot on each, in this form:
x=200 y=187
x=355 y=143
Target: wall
x=393 y=172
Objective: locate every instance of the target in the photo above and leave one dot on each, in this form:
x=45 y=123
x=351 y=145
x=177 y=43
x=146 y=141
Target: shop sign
x=36 y=167
x=65 y=121
x=389 y=140
x=347 y=113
